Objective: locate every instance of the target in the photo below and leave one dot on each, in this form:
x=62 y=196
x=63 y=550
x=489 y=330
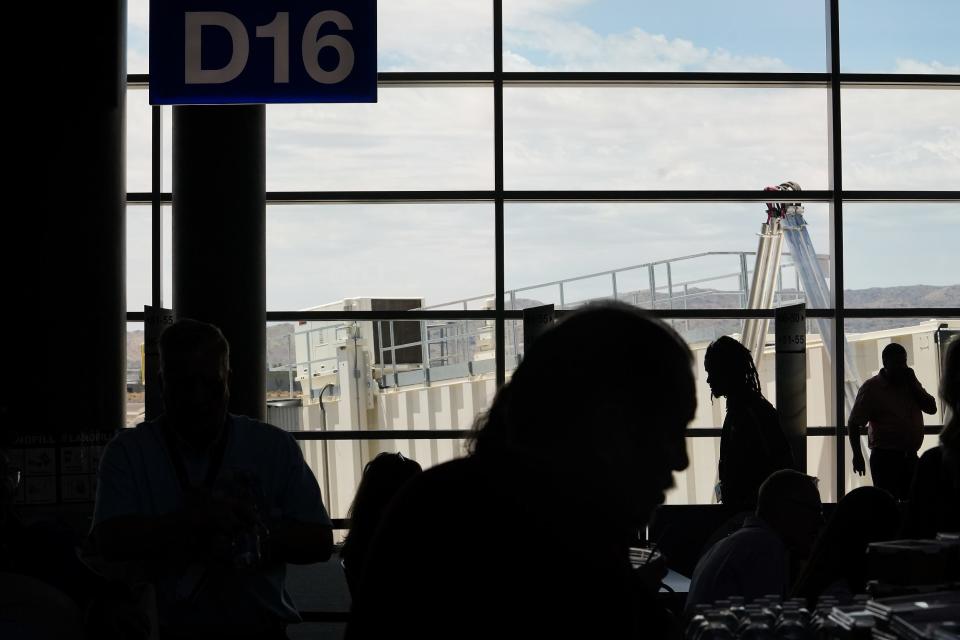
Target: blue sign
x=262 y=51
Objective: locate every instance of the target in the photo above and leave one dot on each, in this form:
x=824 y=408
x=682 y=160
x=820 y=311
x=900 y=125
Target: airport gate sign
x=262 y=51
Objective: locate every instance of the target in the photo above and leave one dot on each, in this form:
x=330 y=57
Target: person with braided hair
x=752 y=444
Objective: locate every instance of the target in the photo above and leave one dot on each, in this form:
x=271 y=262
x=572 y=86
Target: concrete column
x=219 y=246
x=66 y=241
x=791 y=363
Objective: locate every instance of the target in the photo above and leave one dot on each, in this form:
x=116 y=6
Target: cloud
x=560 y=138
x=901 y=139
x=410 y=36
x=138 y=14
x=908 y=65
x=568 y=46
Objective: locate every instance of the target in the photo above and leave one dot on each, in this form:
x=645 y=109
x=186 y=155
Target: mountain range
x=916 y=296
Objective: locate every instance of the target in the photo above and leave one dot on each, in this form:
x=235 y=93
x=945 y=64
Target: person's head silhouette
x=730 y=368
x=382 y=478
x=789 y=502
x=605 y=395
x=865 y=515
x=894 y=357
x=194 y=375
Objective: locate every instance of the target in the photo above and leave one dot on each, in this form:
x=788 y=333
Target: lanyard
x=180 y=468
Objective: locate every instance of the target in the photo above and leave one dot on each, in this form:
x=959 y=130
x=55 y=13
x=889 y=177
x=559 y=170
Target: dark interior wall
x=72 y=300
x=63 y=253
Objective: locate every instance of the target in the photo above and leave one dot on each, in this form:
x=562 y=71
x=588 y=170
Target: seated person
x=209 y=505
x=935 y=494
x=382 y=478
x=837 y=566
x=758 y=559
x=529 y=535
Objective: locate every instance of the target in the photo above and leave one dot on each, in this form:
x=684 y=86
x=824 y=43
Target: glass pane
x=166 y=177
x=167 y=258
x=135 y=384
x=695 y=484
x=686 y=35
x=698 y=335
x=924 y=340
x=139 y=259
x=412 y=138
x=437 y=253
x=881 y=269
x=138 y=28
x=853 y=480
x=139 y=246
x=420 y=35
x=402 y=385
x=338 y=464
x=901 y=139
x=694 y=256
x=822 y=465
x=892 y=36
x=664 y=138
x=139 y=136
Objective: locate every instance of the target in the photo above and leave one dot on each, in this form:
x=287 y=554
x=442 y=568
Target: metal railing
x=671 y=298
x=449 y=348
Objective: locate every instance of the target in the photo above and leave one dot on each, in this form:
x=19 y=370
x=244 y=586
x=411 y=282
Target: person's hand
x=649 y=575
x=910 y=376
x=859 y=464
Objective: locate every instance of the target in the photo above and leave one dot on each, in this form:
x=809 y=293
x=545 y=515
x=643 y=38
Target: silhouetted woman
x=837 y=566
x=752 y=444
x=382 y=479
x=935 y=496
x=529 y=535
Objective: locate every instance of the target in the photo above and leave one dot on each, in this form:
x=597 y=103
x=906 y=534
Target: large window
x=531 y=152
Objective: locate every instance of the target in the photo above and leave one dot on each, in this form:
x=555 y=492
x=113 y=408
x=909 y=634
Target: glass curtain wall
x=526 y=152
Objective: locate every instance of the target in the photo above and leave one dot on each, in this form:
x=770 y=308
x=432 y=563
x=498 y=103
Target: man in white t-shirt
x=211 y=506
x=758 y=559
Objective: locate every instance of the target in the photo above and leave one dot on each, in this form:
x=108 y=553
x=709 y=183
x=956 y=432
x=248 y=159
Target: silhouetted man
x=529 y=535
x=210 y=504
x=760 y=558
x=752 y=444
x=890 y=405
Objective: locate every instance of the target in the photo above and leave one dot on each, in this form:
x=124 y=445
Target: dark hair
x=864 y=515
x=604 y=354
x=382 y=479
x=186 y=336
x=774 y=494
x=891 y=351
x=734 y=358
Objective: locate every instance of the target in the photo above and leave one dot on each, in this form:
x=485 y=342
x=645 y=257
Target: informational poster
x=790 y=325
x=58 y=468
x=536 y=320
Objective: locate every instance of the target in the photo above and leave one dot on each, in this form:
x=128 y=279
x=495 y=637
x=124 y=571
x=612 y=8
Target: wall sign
x=255 y=51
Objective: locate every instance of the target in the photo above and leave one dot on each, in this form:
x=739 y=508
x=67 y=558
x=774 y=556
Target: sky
x=596 y=138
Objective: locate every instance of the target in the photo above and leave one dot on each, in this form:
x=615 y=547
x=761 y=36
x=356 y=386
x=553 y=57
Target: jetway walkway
x=785 y=221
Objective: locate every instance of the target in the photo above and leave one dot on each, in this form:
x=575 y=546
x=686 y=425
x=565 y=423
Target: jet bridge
x=785 y=221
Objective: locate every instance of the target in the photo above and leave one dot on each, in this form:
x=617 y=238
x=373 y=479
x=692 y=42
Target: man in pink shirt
x=889 y=404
